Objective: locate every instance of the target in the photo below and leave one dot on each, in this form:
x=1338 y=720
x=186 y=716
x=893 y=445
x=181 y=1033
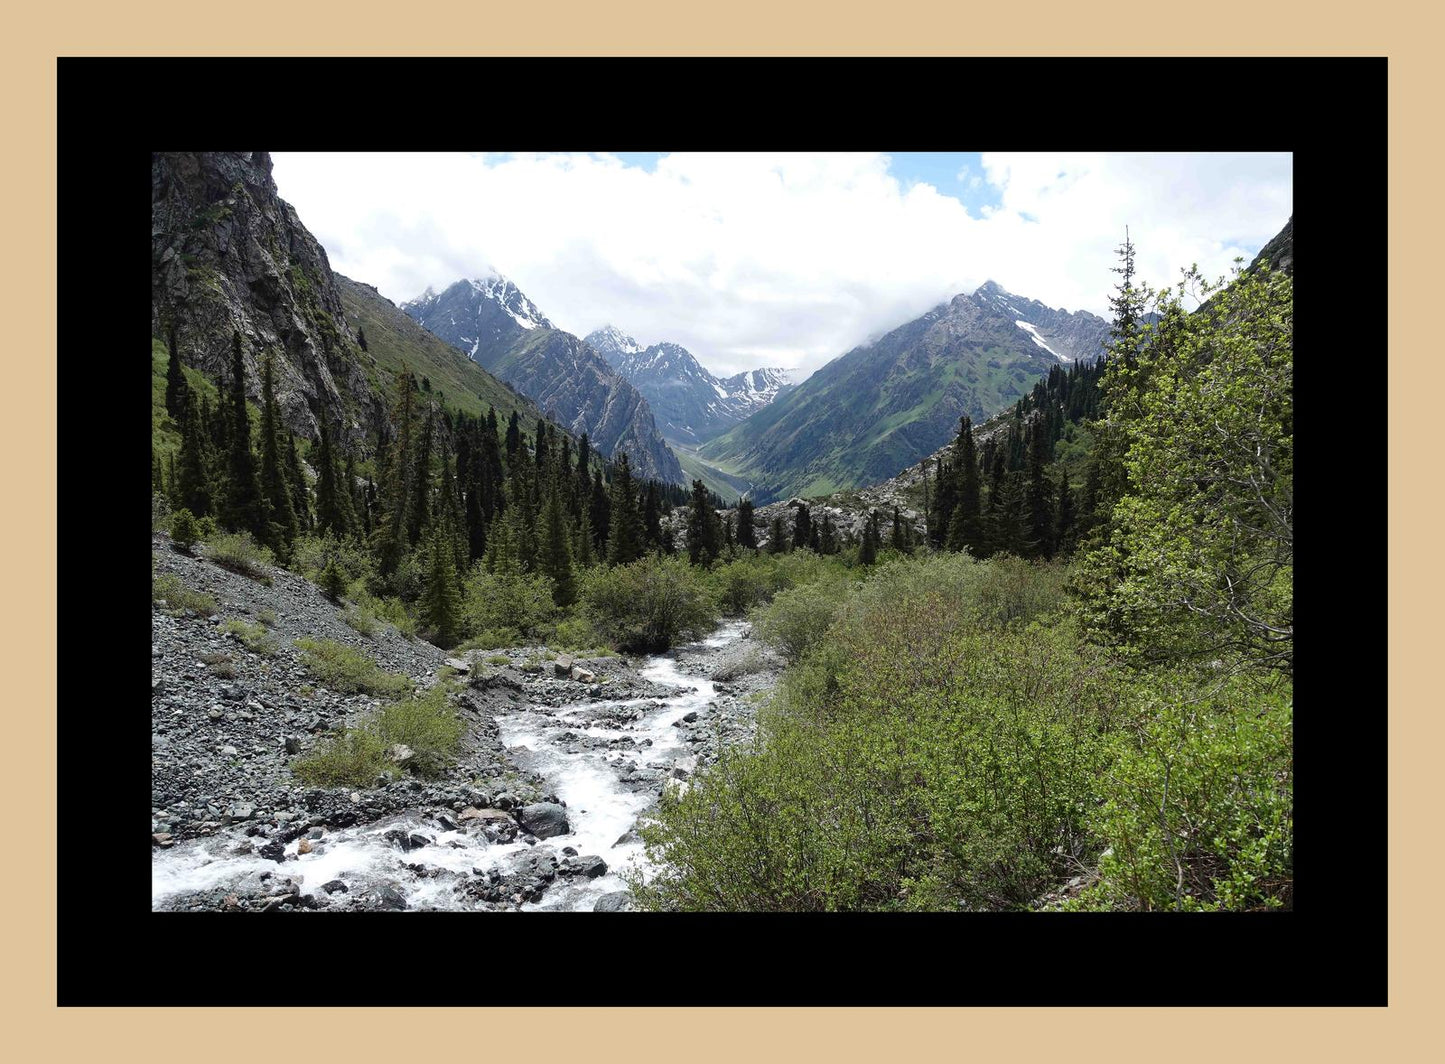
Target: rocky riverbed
x=560 y=760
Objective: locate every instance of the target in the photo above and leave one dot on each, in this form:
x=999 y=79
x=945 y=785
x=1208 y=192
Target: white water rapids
x=600 y=810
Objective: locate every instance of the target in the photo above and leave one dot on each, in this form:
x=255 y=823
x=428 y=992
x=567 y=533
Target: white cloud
x=773 y=259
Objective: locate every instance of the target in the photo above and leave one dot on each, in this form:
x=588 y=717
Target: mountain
x=883 y=406
x=495 y=324
x=691 y=405
x=228 y=254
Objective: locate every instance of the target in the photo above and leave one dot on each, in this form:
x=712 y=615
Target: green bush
x=311 y=554
x=178 y=598
x=267 y=617
x=362 y=620
x=352 y=759
x=494 y=602
x=577 y=634
x=348 y=671
x=238 y=552
x=919 y=758
x=649 y=605
x=358 y=756
x=798 y=619
x=1198 y=803
x=253 y=637
x=428 y=725
x=184 y=530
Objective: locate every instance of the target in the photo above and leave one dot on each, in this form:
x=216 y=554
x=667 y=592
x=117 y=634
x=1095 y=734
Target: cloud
x=793 y=259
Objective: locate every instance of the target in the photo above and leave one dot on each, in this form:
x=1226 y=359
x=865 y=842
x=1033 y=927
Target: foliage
x=429 y=725
x=363 y=621
x=355 y=758
x=184 y=529
x=1198 y=802
x=649 y=605
x=799 y=618
x=238 y=552
x=253 y=637
x=179 y=598
x=506 y=601
x=348 y=671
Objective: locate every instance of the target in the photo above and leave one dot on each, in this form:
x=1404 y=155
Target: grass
x=179 y=598
x=348 y=671
x=253 y=637
x=360 y=619
x=267 y=617
x=359 y=756
x=240 y=553
x=499 y=659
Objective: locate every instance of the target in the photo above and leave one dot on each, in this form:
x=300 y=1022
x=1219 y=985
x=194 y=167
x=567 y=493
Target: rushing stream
x=600 y=809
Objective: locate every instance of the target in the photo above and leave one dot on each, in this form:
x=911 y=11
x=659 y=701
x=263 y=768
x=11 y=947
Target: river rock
x=581 y=675
x=590 y=866
x=544 y=819
x=562 y=666
x=459 y=664
x=619 y=901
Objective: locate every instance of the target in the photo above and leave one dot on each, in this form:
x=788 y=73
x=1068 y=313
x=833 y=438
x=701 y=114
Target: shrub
x=577 y=634
x=744 y=663
x=798 y=619
x=362 y=620
x=267 y=617
x=253 y=637
x=178 y=598
x=1197 y=808
x=507 y=600
x=348 y=671
x=499 y=659
x=492 y=637
x=311 y=554
x=224 y=669
x=333 y=581
x=184 y=531
x=429 y=725
x=352 y=759
x=238 y=552
x=648 y=605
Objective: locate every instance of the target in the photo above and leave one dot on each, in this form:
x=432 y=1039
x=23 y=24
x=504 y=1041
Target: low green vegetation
x=253 y=637
x=238 y=552
x=348 y=671
x=426 y=725
x=178 y=598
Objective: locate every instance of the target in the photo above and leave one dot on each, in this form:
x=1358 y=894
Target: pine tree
x=777 y=535
x=601 y=509
x=158 y=480
x=191 y=477
x=944 y=501
x=389 y=542
x=296 y=477
x=704 y=535
x=625 y=540
x=274 y=485
x=555 y=557
x=514 y=440
x=868 y=550
x=441 y=602
x=828 y=537
x=419 y=507
x=1040 y=497
x=802 y=528
x=585 y=554
x=177 y=390
x=965 y=529
x=899 y=539
x=652 y=517
x=329 y=516
x=361 y=338
x=243 y=508
x=747 y=533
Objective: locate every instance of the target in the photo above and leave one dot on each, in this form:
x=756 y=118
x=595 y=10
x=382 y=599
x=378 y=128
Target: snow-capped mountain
x=505 y=333
x=1068 y=337
x=691 y=405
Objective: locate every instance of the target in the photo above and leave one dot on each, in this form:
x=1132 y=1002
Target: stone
x=399 y=753
x=459 y=664
x=684 y=767
x=304 y=846
x=590 y=867
x=242 y=811
x=274 y=851
x=581 y=675
x=215 y=713
x=446 y=823
x=230 y=751
x=336 y=887
x=390 y=897
x=617 y=902
x=562 y=666
x=544 y=819
x=162 y=839
x=232 y=693
x=486 y=816
x=293 y=744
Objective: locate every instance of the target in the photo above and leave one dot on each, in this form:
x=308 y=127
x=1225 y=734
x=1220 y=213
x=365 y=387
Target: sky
x=771 y=259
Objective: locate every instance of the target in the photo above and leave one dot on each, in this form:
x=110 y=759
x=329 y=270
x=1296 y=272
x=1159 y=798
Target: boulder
x=544 y=819
x=581 y=675
x=399 y=753
x=459 y=664
x=617 y=902
x=563 y=666
x=590 y=867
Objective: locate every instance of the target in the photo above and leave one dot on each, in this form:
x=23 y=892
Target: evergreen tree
x=329 y=516
x=625 y=541
x=177 y=390
x=944 y=501
x=777 y=535
x=729 y=537
x=1040 y=497
x=361 y=338
x=191 y=479
x=747 y=533
x=158 y=481
x=243 y=509
x=274 y=486
x=802 y=528
x=586 y=558
x=899 y=540
x=601 y=509
x=441 y=602
x=389 y=508
x=868 y=549
x=704 y=534
x=296 y=478
x=171 y=477
x=828 y=537
x=555 y=557
x=419 y=507
x=514 y=440
x=965 y=529
x=652 y=518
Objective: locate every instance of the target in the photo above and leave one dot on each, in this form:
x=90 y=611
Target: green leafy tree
x=1200 y=562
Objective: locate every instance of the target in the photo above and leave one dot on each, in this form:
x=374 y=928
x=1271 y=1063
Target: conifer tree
x=177 y=390
x=555 y=556
x=441 y=602
x=601 y=509
x=171 y=476
x=274 y=486
x=965 y=529
x=585 y=552
x=747 y=533
x=158 y=481
x=243 y=508
x=296 y=477
x=625 y=542
x=899 y=538
x=652 y=518
x=868 y=549
x=514 y=440
x=729 y=537
x=1064 y=518
x=389 y=542
x=328 y=507
x=419 y=507
x=802 y=528
x=1040 y=496
x=704 y=535
x=828 y=537
x=191 y=478
x=778 y=541
x=944 y=500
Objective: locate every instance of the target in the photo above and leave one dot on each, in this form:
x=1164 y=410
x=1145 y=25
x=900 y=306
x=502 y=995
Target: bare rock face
x=228 y=254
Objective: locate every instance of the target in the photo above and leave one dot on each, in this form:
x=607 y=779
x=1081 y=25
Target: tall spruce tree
x=191 y=477
x=274 y=485
x=625 y=542
x=802 y=528
x=1064 y=518
x=704 y=534
x=965 y=529
x=747 y=533
x=329 y=516
x=177 y=391
x=555 y=556
x=778 y=539
x=868 y=549
x=441 y=601
x=243 y=509
x=1040 y=495
x=296 y=478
